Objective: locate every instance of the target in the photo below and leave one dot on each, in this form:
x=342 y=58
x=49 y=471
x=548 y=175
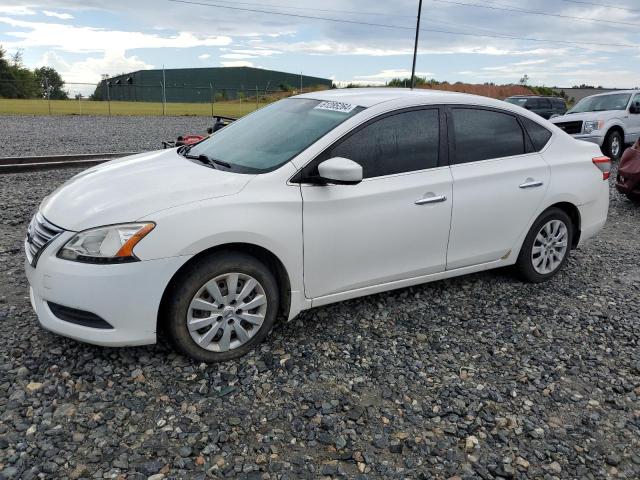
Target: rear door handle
x=532 y=184
x=431 y=199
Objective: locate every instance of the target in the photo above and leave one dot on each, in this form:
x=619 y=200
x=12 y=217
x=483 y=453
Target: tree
x=524 y=80
x=406 y=82
x=24 y=80
x=49 y=75
x=17 y=81
x=7 y=78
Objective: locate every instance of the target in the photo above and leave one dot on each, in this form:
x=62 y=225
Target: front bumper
x=127 y=296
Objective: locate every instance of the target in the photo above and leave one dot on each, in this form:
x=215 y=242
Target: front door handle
x=431 y=199
x=532 y=184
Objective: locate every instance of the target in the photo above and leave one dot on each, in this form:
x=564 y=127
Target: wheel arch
x=616 y=127
x=574 y=214
x=267 y=257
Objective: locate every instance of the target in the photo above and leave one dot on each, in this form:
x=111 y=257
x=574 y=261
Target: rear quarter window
x=537 y=133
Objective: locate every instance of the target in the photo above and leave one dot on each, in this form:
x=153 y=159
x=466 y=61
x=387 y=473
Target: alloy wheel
x=615 y=146
x=227 y=312
x=550 y=247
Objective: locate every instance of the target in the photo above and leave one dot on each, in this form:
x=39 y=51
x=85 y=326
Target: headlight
x=111 y=244
x=593 y=125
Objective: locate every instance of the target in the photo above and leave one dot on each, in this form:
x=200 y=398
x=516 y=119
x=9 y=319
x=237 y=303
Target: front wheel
x=221 y=307
x=547 y=246
x=613 y=145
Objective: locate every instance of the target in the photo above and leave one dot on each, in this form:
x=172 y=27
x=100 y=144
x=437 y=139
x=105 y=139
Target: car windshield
x=273 y=135
x=517 y=101
x=600 y=103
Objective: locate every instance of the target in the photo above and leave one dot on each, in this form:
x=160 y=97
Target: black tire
x=524 y=265
x=614 y=137
x=189 y=283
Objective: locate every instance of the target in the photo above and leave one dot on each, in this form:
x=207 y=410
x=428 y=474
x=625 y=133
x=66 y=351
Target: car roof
x=368 y=97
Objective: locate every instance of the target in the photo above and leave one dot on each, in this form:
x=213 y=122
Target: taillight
x=604 y=165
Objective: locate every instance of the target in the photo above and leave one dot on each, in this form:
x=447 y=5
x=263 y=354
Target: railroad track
x=48 y=162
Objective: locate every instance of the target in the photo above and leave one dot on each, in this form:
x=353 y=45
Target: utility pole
x=415 y=47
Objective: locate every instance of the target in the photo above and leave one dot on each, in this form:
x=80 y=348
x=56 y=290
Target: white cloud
x=75 y=39
x=529 y=62
x=386 y=75
x=204 y=56
x=61 y=16
x=236 y=63
x=16 y=10
x=330 y=47
x=90 y=69
x=236 y=56
x=257 y=52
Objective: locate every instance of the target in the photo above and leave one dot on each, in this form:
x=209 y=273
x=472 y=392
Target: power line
x=531 y=39
x=606 y=5
x=402 y=27
x=288 y=7
x=534 y=12
x=296 y=15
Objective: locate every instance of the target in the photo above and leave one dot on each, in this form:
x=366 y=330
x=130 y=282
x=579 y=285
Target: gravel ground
x=57 y=135
x=476 y=377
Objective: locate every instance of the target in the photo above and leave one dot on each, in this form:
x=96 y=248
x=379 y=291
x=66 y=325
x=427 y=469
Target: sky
x=84 y=39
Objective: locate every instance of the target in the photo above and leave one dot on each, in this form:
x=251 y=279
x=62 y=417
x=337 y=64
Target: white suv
x=312 y=200
x=609 y=120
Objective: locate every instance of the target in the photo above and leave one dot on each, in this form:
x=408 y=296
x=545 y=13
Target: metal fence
x=104 y=98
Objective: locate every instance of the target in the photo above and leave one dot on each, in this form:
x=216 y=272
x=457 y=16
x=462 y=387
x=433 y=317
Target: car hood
x=586 y=116
x=130 y=188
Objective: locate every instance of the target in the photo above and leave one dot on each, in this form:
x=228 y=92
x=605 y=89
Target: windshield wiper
x=212 y=162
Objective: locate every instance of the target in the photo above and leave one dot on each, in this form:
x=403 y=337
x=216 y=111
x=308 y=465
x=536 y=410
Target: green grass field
x=88 y=107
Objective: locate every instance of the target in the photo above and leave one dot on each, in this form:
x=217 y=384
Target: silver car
x=610 y=120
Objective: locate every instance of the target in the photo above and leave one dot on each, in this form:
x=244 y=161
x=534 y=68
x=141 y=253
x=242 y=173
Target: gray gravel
x=57 y=135
x=476 y=377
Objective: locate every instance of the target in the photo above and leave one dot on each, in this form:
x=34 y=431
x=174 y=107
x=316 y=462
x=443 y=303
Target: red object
x=189 y=139
x=628 y=180
x=604 y=165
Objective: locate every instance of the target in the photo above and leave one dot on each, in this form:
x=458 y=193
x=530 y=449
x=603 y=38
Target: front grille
x=572 y=128
x=39 y=233
x=79 y=317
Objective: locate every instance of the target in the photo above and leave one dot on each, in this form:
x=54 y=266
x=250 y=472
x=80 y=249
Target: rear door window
x=485 y=134
x=533 y=103
x=545 y=103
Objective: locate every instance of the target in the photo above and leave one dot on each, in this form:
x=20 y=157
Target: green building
x=201 y=85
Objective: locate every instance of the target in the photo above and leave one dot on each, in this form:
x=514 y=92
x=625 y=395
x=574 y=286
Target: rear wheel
x=613 y=145
x=222 y=307
x=546 y=247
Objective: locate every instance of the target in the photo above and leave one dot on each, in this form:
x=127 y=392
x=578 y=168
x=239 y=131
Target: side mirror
x=340 y=171
x=635 y=108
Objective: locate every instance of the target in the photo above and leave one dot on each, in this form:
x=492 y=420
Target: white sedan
x=312 y=200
